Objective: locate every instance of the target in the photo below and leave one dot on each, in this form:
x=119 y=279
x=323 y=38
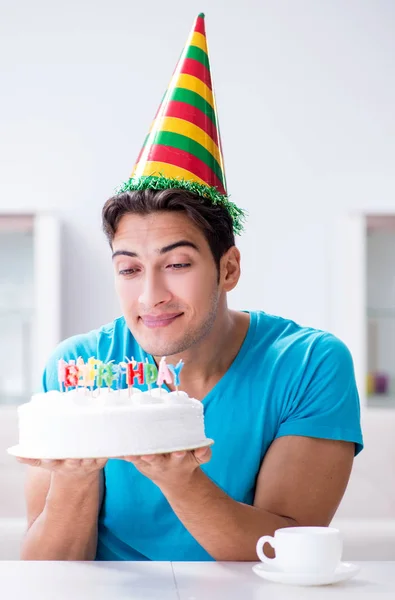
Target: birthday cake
x=87 y=422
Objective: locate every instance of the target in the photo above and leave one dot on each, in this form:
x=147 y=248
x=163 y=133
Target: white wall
x=305 y=92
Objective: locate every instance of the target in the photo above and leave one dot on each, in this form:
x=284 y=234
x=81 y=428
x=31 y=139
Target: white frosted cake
x=108 y=423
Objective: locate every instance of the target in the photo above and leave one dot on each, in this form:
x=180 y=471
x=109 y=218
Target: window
x=29 y=302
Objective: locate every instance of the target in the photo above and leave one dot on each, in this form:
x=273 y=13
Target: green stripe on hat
x=198 y=54
x=189 y=97
x=182 y=142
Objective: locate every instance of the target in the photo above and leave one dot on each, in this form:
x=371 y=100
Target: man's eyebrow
x=163 y=250
x=125 y=253
x=179 y=244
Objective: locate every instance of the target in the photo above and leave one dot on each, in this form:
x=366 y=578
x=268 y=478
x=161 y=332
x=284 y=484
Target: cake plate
x=23 y=452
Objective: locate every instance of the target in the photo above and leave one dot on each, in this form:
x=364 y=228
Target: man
x=280 y=400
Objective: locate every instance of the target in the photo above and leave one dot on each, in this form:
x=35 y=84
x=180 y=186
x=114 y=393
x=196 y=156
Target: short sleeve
x=327 y=404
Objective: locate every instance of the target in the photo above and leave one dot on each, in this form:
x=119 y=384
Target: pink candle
x=61 y=373
x=164 y=375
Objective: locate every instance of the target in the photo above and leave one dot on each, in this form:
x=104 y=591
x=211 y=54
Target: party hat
x=183 y=148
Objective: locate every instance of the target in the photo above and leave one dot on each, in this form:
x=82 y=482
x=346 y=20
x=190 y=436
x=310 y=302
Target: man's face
x=166 y=280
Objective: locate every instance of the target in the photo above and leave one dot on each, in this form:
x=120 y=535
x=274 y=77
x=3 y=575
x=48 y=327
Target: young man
x=280 y=400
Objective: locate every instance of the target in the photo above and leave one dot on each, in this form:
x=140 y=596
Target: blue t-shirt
x=285 y=380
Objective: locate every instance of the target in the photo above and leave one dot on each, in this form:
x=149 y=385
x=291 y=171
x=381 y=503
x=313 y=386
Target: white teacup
x=303 y=549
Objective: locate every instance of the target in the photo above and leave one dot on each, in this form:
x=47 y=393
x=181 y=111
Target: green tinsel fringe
x=160 y=182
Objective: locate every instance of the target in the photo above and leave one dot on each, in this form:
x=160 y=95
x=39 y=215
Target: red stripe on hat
x=185 y=160
x=194 y=115
x=193 y=67
x=199 y=26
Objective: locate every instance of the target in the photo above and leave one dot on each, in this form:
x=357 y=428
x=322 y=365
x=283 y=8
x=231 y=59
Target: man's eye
x=178 y=266
x=127 y=271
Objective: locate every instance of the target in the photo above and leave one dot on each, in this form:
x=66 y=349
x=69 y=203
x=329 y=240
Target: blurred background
x=306 y=94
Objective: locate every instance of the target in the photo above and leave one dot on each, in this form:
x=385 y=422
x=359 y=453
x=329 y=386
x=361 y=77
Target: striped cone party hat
x=183 y=148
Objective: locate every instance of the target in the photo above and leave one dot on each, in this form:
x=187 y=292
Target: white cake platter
x=23 y=452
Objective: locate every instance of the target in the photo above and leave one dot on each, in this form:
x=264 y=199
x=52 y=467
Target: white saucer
x=271 y=573
x=23 y=452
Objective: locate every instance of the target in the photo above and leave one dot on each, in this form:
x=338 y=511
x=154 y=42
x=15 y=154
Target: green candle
x=151 y=373
x=100 y=374
x=109 y=374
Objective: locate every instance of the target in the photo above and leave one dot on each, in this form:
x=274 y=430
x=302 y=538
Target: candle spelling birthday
x=96 y=374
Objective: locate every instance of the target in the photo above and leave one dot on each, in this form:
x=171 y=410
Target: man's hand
x=173 y=469
x=71 y=467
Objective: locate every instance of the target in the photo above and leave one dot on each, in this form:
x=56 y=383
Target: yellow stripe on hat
x=189 y=82
x=176 y=125
x=199 y=40
x=165 y=169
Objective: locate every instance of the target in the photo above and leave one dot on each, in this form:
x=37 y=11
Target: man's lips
x=159 y=320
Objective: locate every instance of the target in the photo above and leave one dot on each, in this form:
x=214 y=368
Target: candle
x=119 y=370
x=80 y=367
x=133 y=373
x=150 y=372
x=78 y=373
x=175 y=370
x=71 y=375
x=164 y=375
x=61 y=373
x=100 y=373
x=109 y=374
x=90 y=377
x=92 y=371
x=86 y=381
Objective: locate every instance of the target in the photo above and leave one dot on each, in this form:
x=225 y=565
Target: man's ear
x=230 y=269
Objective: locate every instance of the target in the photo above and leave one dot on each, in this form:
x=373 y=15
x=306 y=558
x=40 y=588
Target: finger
x=178 y=455
x=202 y=455
x=72 y=463
x=132 y=459
x=154 y=461
x=136 y=461
x=88 y=463
x=49 y=463
x=31 y=462
x=152 y=458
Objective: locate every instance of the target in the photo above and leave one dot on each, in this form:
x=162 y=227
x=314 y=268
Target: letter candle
x=71 y=375
x=90 y=374
x=133 y=373
x=151 y=373
x=61 y=373
x=100 y=370
x=109 y=375
x=176 y=370
x=129 y=382
x=164 y=375
x=78 y=373
x=82 y=375
x=84 y=370
x=119 y=370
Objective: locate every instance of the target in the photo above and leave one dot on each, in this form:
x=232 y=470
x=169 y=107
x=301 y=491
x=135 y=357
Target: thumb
x=202 y=455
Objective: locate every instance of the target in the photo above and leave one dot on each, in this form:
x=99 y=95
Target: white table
x=176 y=581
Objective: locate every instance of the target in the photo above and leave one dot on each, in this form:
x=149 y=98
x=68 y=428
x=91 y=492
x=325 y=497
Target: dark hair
x=213 y=220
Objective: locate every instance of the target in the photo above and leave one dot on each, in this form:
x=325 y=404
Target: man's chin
x=157 y=347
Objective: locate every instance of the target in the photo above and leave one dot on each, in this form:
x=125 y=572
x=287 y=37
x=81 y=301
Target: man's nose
x=154 y=291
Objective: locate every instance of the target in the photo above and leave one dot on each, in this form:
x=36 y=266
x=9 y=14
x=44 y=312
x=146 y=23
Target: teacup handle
x=259 y=548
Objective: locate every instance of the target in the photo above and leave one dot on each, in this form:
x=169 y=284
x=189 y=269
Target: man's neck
x=208 y=361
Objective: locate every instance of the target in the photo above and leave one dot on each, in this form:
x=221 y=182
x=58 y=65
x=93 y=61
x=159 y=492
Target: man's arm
x=301 y=482
x=63 y=502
